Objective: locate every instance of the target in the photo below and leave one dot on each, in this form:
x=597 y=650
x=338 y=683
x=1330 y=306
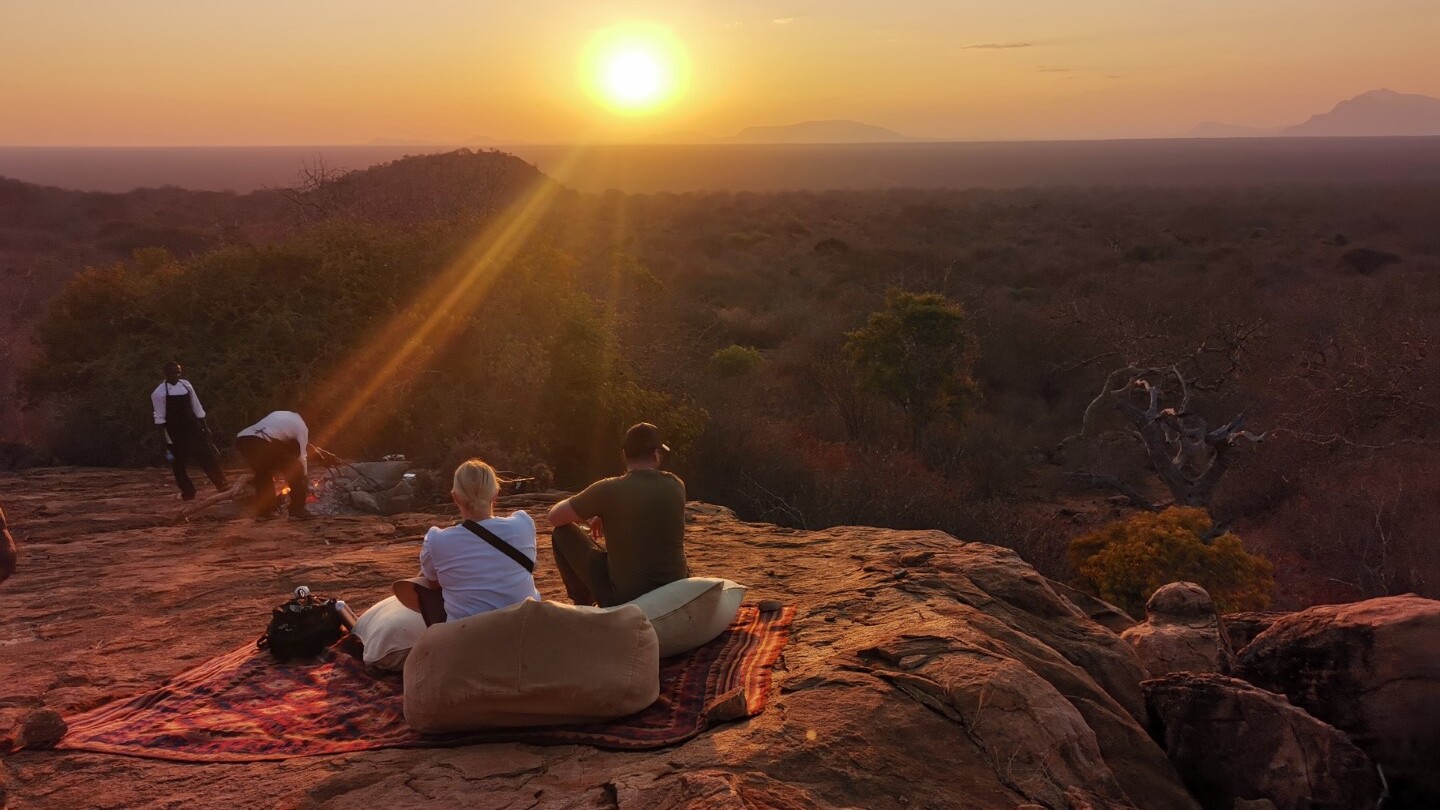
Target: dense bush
x=735 y=361
x=621 y=306
x=1127 y=561
x=311 y=324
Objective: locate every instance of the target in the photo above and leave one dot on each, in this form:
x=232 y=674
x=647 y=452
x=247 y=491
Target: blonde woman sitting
x=483 y=563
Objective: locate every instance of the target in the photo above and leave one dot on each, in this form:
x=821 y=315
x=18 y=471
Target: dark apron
x=180 y=421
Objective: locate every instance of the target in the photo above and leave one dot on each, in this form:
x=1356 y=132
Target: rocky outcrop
x=923 y=671
x=1242 y=628
x=1101 y=612
x=1231 y=740
x=1181 y=632
x=1372 y=670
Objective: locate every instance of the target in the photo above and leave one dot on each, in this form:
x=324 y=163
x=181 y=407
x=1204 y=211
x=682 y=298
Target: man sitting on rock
x=640 y=516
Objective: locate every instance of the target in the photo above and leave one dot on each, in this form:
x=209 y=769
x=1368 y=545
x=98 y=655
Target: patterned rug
x=243 y=706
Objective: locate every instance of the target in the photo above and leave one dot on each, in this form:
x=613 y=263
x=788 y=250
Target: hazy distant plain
x=681 y=168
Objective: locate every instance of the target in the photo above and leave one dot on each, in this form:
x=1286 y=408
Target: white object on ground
x=388 y=630
x=690 y=612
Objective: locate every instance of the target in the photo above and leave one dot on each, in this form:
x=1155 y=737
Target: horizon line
x=499 y=145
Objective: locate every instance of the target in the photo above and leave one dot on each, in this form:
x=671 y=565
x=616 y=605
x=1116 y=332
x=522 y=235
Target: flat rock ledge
x=923 y=671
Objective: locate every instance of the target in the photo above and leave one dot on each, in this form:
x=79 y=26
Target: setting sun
x=634 y=69
x=633 y=77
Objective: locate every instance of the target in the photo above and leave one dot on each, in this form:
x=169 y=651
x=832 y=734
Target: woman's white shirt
x=474 y=576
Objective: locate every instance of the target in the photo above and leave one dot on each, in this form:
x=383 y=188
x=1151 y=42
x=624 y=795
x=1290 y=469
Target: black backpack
x=302 y=628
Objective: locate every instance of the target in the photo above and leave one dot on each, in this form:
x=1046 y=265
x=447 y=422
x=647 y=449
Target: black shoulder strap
x=500 y=545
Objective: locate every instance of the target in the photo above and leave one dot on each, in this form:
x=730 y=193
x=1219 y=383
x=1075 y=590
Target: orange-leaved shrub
x=1127 y=561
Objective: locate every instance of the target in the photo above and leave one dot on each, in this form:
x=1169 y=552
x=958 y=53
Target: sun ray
x=439 y=310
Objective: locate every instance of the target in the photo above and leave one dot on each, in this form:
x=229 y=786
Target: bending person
x=182 y=424
x=483 y=563
x=641 y=516
x=277 y=445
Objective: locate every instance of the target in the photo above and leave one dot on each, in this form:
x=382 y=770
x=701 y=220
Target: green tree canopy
x=1127 y=561
x=917 y=352
x=735 y=361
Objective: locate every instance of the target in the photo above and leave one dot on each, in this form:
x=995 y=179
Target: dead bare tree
x=1188 y=455
x=314 y=194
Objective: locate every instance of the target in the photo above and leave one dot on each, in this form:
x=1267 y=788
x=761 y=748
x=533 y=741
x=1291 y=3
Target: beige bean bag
x=532 y=664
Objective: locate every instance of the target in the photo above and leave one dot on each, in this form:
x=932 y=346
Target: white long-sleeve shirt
x=279 y=426
x=165 y=389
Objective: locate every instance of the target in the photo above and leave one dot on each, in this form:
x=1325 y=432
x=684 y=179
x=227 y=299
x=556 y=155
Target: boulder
x=1242 y=628
x=399 y=498
x=1372 y=670
x=375 y=476
x=1231 y=740
x=1181 y=632
x=1045 y=701
x=41 y=728
x=366 y=501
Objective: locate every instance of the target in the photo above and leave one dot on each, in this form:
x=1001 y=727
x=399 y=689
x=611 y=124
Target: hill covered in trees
x=905 y=358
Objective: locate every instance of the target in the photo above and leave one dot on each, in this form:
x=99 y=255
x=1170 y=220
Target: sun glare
x=635 y=69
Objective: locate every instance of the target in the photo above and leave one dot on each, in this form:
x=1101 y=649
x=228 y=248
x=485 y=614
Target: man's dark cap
x=643 y=439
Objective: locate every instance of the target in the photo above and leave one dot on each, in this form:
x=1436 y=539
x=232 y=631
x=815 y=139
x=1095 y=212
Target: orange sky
x=204 y=72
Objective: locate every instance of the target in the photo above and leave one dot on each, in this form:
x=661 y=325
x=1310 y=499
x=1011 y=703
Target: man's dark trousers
x=266 y=458
x=186 y=445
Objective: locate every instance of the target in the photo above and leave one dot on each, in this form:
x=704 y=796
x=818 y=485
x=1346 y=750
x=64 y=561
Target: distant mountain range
x=1378 y=112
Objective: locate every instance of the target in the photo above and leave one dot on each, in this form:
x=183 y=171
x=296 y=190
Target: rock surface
x=1372 y=670
x=1231 y=740
x=1242 y=628
x=1181 y=632
x=923 y=672
x=1101 y=612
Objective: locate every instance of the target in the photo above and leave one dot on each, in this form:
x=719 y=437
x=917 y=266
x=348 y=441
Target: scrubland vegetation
x=916 y=359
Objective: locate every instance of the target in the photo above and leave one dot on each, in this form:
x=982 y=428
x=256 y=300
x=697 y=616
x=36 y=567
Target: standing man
x=182 y=424
x=642 y=517
x=277 y=444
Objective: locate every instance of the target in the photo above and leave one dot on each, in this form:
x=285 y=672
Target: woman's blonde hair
x=475 y=484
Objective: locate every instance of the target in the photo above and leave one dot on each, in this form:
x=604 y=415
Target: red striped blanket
x=243 y=706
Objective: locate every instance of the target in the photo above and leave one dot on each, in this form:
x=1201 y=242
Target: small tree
x=1127 y=561
x=735 y=361
x=917 y=352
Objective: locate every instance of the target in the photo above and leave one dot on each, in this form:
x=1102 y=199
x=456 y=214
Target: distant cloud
x=1112 y=75
x=997 y=46
x=735 y=24
x=1045 y=69
x=783 y=20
